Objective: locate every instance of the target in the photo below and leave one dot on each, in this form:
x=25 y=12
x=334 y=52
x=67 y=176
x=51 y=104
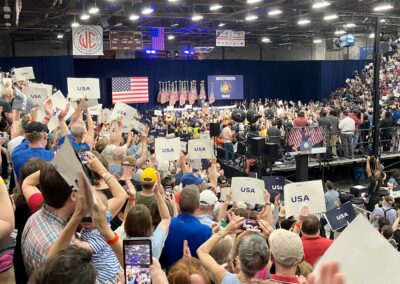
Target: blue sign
x=226 y=87
x=274 y=185
x=340 y=217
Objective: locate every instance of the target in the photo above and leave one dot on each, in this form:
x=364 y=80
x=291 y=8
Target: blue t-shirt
x=78 y=147
x=23 y=152
x=184 y=227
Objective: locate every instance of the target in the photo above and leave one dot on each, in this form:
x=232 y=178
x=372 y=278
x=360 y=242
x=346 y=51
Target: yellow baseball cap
x=149 y=176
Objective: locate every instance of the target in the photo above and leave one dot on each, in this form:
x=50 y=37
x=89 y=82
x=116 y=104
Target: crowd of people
x=50 y=232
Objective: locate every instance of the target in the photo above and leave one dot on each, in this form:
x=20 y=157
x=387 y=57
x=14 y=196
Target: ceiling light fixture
x=383 y=7
x=60 y=36
x=175 y=25
x=94 y=10
x=265 y=40
x=171 y=37
x=330 y=17
x=340 y=32
x=85 y=17
x=371 y=35
x=350 y=25
x=197 y=17
x=221 y=24
x=382 y=20
x=317 y=40
x=303 y=22
x=147 y=11
x=134 y=17
x=173 y=1
x=215 y=7
x=253 y=1
x=251 y=18
x=274 y=12
x=74 y=24
x=321 y=4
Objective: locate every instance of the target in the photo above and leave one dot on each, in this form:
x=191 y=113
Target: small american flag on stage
x=295 y=137
x=317 y=134
x=130 y=90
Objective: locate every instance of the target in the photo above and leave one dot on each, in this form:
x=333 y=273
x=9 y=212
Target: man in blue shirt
x=31 y=147
x=185 y=227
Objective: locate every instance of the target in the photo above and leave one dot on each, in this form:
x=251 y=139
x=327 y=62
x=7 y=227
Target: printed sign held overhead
x=275 y=185
x=38 y=93
x=24 y=73
x=167 y=149
x=248 y=189
x=83 y=87
x=199 y=149
x=341 y=216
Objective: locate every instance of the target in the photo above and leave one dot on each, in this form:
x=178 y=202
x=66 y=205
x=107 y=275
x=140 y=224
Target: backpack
x=384 y=211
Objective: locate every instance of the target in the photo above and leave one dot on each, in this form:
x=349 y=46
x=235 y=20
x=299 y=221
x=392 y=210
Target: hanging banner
x=275 y=185
x=230 y=38
x=38 y=93
x=199 y=149
x=298 y=194
x=226 y=87
x=87 y=40
x=83 y=87
x=167 y=149
x=248 y=189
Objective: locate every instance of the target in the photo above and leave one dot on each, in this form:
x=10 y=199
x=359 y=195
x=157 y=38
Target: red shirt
x=314 y=248
x=283 y=279
x=300 y=122
x=35 y=202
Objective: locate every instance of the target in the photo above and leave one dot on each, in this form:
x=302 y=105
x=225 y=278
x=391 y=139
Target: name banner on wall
x=87 y=40
x=226 y=87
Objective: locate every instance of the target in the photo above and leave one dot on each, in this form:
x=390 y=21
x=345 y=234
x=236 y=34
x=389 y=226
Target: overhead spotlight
x=186 y=51
x=317 y=40
x=383 y=7
x=350 y=25
x=171 y=37
x=274 y=12
x=172 y=1
x=215 y=7
x=134 y=17
x=147 y=11
x=382 y=20
x=253 y=1
x=60 y=36
x=221 y=25
x=303 y=22
x=340 y=32
x=85 y=17
x=74 y=24
x=265 y=40
x=321 y=4
x=94 y=10
x=197 y=17
x=175 y=25
x=330 y=17
x=371 y=35
x=251 y=18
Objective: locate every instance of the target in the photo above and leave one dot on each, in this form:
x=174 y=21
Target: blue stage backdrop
x=291 y=80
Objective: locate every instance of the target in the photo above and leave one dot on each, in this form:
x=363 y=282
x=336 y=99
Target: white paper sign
x=38 y=93
x=199 y=149
x=24 y=73
x=83 y=87
x=183 y=146
x=59 y=102
x=95 y=110
x=167 y=149
x=8 y=81
x=157 y=112
x=127 y=112
x=138 y=126
x=360 y=243
x=205 y=135
x=170 y=108
x=224 y=192
x=188 y=106
x=300 y=193
x=248 y=189
x=87 y=40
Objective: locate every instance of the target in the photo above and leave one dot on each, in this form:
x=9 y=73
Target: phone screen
x=137 y=258
x=251 y=225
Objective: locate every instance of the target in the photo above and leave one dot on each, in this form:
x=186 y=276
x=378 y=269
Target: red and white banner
x=87 y=40
x=230 y=38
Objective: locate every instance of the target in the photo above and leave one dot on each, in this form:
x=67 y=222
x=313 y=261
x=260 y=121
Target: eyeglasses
x=127 y=165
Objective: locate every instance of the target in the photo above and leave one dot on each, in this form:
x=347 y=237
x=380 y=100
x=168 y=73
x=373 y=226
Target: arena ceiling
x=44 y=19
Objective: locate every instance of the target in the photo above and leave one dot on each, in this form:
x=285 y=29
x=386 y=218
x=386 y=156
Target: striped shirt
x=104 y=259
x=40 y=233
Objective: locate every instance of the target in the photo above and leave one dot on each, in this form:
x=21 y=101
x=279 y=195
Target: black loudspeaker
x=214 y=129
x=271 y=153
x=256 y=145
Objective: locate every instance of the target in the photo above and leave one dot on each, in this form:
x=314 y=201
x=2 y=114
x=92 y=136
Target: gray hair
x=253 y=255
x=222 y=251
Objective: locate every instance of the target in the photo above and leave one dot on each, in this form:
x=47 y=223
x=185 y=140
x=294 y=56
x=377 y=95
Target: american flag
x=157 y=38
x=182 y=97
x=174 y=95
x=295 y=136
x=130 y=90
x=192 y=94
x=202 y=95
x=211 y=98
x=317 y=134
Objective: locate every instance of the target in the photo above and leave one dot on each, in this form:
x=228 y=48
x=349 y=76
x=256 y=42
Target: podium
x=301 y=158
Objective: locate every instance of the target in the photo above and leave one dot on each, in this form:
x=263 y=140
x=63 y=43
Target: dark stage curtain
x=290 y=80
